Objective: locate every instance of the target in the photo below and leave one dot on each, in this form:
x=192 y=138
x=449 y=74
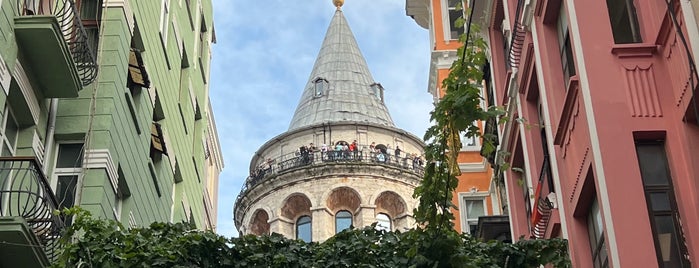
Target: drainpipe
x=50 y=130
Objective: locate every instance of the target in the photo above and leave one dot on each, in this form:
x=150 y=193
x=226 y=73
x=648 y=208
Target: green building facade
x=105 y=105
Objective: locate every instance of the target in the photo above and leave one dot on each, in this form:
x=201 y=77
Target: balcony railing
x=272 y=167
x=72 y=30
x=542 y=204
x=25 y=192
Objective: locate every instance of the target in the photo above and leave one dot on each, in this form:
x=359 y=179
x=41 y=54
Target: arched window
x=303 y=229
x=343 y=220
x=383 y=222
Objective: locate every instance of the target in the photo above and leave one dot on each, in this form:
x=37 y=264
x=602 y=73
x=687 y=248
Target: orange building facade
x=475 y=195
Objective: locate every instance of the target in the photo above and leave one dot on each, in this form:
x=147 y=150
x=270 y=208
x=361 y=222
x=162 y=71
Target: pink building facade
x=603 y=141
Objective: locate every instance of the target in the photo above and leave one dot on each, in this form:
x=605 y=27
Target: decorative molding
x=473 y=167
x=5 y=77
x=102 y=159
x=567 y=112
x=641 y=91
x=575 y=190
x=27 y=91
x=640 y=50
x=676 y=59
x=38 y=147
x=132 y=220
x=321 y=209
x=124 y=5
x=527 y=71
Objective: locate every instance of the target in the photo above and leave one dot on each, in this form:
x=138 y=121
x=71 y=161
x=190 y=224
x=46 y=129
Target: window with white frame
x=455 y=9
x=164 y=20
x=9 y=132
x=69 y=161
x=595 y=230
x=470 y=143
x=565 y=45
x=471 y=207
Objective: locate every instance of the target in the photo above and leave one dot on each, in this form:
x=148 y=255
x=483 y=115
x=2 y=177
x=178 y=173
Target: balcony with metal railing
x=270 y=168
x=544 y=201
x=53 y=41
x=29 y=228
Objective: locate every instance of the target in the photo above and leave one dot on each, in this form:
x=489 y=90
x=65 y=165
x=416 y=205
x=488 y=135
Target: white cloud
x=265 y=53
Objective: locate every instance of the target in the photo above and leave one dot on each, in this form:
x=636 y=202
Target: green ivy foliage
x=106 y=243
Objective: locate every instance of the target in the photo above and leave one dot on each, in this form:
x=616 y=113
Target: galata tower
x=341 y=163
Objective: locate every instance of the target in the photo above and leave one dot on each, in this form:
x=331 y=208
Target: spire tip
x=338 y=3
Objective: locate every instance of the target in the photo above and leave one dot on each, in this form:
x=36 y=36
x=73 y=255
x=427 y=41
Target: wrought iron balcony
x=44 y=27
x=543 y=206
x=25 y=193
x=273 y=167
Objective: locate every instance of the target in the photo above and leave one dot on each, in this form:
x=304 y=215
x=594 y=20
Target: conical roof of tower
x=348 y=96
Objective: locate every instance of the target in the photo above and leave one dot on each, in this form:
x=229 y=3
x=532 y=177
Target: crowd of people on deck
x=344 y=151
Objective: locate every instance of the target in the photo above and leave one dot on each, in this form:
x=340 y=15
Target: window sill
x=636 y=50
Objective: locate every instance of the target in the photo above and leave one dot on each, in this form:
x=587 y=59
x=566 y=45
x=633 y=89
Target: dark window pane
x=69 y=155
x=651 y=160
x=659 y=201
x=666 y=241
x=622 y=18
x=65 y=191
x=303 y=229
x=453 y=3
x=343 y=220
x=11 y=130
x=567 y=60
x=455 y=31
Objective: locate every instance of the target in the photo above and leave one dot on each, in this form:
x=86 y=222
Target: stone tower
x=336 y=165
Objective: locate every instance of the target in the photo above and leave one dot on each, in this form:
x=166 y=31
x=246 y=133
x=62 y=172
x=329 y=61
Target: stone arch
x=259 y=224
x=391 y=203
x=296 y=205
x=343 y=198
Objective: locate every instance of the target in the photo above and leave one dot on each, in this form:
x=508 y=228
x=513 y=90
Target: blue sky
x=263 y=58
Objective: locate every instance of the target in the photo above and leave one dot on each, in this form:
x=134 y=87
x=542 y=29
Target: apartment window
x=565 y=47
x=622 y=17
x=662 y=206
x=164 y=21
x=320 y=85
x=137 y=75
x=383 y=222
x=470 y=143
x=69 y=161
x=377 y=90
x=471 y=208
x=343 y=220
x=9 y=132
x=455 y=9
x=595 y=230
x=157 y=140
x=546 y=166
x=303 y=229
